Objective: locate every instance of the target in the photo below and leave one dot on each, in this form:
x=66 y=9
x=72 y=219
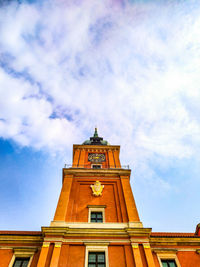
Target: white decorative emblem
x=97 y=189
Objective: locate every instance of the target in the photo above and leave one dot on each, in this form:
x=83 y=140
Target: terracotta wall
x=80 y=157
x=120 y=256
x=129 y=256
x=5 y=257
x=64 y=255
x=81 y=196
x=72 y=256
x=116 y=255
x=189 y=258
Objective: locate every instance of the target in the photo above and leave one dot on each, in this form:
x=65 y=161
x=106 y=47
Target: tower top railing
x=86 y=166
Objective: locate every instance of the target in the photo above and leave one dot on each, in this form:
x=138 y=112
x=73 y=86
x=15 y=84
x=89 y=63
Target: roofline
x=97 y=146
x=168 y=234
x=7 y=232
x=83 y=172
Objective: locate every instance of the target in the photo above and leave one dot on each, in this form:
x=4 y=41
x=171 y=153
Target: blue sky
x=131 y=68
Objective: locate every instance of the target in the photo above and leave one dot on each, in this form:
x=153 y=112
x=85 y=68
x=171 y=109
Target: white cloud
x=133 y=71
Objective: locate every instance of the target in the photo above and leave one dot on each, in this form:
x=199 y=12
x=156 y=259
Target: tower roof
x=96 y=140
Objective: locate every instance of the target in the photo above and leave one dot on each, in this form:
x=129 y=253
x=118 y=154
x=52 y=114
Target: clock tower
x=96 y=222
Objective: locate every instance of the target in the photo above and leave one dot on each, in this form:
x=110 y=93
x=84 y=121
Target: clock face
x=94 y=157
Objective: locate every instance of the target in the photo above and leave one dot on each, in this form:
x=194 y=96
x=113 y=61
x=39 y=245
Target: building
x=96 y=222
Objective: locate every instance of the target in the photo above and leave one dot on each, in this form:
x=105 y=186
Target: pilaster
x=129 y=200
x=63 y=201
x=56 y=255
x=43 y=254
x=148 y=254
x=137 y=255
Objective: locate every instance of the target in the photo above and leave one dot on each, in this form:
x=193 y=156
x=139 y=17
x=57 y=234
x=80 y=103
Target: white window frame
x=22 y=253
x=95 y=247
x=95 y=165
x=92 y=208
x=168 y=256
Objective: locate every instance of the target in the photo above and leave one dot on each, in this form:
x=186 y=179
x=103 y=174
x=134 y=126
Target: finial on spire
x=96 y=140
x=95 y=132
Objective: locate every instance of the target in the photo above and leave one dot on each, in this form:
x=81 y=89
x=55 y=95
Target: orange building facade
x=96 y=222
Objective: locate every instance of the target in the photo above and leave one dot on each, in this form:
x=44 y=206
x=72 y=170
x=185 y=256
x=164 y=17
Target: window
x=167 y=257
x=96 y=166
x=21 y=262
x=96 y=259
x=168 y=263
x=22 y=257
x=96 y=213
x=96 y=217
x=96 y=254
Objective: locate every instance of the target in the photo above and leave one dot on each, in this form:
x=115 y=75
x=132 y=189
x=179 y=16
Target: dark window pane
x=92 y=257
x=25 y=263
x=96 y=259
x=96 y=217
x=21 y=262
x=101 y=258
x=168 y=263
x=96 y=166
x=17 y=263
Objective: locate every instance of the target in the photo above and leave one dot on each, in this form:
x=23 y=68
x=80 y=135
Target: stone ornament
x=97 y=189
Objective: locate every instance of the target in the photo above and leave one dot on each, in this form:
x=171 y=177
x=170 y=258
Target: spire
x=96 y=140
x=95 y=132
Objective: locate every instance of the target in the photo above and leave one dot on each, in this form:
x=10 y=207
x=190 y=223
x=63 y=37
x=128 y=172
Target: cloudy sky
x=131 y=68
